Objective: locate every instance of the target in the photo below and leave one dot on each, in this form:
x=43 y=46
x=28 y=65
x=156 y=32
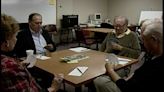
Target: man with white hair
x=148 y=77
x=144 y=56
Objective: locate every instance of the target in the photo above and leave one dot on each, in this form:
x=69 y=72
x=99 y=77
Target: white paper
x=78 y=71
x=123 y=61
x=31 y=59
x=42 y=57
x=31 y=64
x=79 y=49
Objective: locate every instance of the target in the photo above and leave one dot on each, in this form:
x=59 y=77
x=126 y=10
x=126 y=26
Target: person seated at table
x=121 y=41
x=148 y=76
x=14 y=76
x=34 y=38
x=143 y=24
x=144 y=56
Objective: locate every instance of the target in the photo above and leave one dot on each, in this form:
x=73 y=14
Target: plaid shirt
x=15 y=77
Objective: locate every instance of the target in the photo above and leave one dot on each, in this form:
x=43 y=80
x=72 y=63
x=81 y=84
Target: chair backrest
x=50 y=27
x=23 y=26
x=106 y=25
x=133 y=27
x=85 y=37
x=79 y=35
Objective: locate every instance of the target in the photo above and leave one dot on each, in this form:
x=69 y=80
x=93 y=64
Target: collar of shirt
x=123 y=34
x=36 y=33
x=154 y=57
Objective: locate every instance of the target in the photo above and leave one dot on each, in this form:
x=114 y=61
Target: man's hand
x=49 y=47
x=110 y=66
x=110 y=70
x=116 y=46
x=56 y=83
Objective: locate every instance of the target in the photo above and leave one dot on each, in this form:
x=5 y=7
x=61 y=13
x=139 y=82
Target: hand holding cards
x=31 y=59
x=112 y=58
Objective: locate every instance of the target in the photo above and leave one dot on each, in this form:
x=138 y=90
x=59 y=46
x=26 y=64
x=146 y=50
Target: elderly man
x=34 y=38
x=37 y=39
x=122 y=41
x=148 y=76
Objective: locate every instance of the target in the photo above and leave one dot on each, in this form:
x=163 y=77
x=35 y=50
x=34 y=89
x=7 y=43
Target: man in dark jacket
x=37 y=39
x=34 y=37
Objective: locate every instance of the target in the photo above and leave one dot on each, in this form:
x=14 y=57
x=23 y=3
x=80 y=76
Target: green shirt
x=130 y=43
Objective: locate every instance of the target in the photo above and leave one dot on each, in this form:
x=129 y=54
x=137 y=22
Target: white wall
x=132 y=8
x=20 y=9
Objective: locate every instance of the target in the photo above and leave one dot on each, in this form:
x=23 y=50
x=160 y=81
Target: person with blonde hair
x=14 y=76
x=37 y=39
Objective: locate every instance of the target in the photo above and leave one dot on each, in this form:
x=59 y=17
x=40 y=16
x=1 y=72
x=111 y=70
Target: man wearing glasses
x=121 y=41
x=37 y=39
x=34 y=37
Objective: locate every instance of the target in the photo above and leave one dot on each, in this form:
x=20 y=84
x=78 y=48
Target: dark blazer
x=148 y=78
x=25 y=42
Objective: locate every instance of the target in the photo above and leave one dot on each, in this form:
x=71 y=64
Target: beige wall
x=132 y=8
x=83 y=8
x=109 y=8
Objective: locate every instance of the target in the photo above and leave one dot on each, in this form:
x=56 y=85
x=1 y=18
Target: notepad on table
x=79 y=49
x=123 y=61
x=78 y=71
x=41 y=57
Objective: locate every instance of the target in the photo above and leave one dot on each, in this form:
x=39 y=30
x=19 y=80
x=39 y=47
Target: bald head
x=120 y=24
x=121 y=19
x=153 y=38
x=145 y=23
x=153 y=29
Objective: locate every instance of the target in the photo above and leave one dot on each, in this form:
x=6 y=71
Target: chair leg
x=64 y=86
x=78 y=43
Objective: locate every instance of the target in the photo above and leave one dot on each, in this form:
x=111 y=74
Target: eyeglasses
x=118 y=25
x=37 y=23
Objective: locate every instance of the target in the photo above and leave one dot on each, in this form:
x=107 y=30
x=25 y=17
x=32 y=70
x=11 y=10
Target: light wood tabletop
x=102 y=30
x=95 y=63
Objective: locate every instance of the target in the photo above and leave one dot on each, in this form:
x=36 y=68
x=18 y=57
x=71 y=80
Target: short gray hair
x=122 y=17
x=155 y=30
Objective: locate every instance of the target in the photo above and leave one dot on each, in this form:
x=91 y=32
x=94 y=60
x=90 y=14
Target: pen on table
x=79 y=70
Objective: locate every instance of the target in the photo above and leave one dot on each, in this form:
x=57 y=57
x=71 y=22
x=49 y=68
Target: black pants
x=43 y=78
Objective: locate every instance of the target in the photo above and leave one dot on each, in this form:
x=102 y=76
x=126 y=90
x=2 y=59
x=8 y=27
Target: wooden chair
x=51 y=28
x=85 y=37
x=23 y=26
